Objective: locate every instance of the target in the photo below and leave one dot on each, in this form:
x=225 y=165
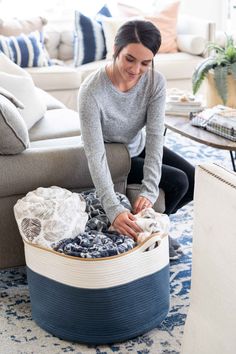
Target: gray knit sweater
x=109 y=115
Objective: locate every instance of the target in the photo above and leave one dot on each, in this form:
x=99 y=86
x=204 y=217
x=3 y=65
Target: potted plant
x=219 y=70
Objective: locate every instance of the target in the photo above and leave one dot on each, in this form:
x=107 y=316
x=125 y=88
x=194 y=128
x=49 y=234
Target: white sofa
x=63 y=81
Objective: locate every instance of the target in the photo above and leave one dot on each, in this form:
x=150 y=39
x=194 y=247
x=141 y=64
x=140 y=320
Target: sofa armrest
x=63 y=164
x=196 y=26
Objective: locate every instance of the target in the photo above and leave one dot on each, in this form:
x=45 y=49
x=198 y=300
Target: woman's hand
x=125 y=224
x=141 y=203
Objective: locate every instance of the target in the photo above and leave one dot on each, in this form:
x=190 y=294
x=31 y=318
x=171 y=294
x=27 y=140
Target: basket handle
x=150 y=241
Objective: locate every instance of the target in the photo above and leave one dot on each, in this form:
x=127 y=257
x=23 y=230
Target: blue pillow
x=89 y=40
x=26 y=50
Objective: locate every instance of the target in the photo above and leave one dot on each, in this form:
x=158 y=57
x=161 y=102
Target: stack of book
x=220 y=120
x=182 y=103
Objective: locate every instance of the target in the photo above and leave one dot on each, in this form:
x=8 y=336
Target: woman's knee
x=181 y=182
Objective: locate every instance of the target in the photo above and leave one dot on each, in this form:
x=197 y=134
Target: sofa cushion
x=14 y=27
x=89 y=44
x=176 y=66
x=22 y=87
x=14 y=133
x=56 y=77
x=25 y=50
x=133 y=191
x=56 y=123
x=50 y=101
x=65 y=50
x=52 y=38
x=166 y=22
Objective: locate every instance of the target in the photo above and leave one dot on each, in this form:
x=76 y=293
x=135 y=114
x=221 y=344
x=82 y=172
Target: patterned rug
x=20 y=335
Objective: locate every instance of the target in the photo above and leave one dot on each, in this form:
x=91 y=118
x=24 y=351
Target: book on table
x=182 y=103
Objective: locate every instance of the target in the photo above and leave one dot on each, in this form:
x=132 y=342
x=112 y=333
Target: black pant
x=177 y=179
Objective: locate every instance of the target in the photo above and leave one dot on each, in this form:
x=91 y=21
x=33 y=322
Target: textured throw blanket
x=96 y=241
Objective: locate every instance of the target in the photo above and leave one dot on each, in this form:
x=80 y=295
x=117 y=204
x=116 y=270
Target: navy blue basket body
x=103 y=300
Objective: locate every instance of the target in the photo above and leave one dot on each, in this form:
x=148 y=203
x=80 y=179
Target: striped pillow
x=25 y=50
x=89 y=42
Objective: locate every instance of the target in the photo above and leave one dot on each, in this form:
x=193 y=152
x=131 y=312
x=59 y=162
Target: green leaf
x=222 y=61
x=220 y=76
x=201 y=71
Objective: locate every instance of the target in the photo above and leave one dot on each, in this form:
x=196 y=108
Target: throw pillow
x=89 y=43
x=14 y=133
x=25 y=50
x=110 y=28
x=191 y=43
x=7 y=66
x=15 y=27
x=23 y=89
x=11 y=98
x=166 y=22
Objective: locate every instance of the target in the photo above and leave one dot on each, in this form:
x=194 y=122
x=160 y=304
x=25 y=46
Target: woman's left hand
x=141 y=203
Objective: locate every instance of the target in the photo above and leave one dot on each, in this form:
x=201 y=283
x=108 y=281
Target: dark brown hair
x=138 y=31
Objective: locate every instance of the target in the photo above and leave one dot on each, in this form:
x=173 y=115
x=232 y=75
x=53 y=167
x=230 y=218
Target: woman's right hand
x=125 y=224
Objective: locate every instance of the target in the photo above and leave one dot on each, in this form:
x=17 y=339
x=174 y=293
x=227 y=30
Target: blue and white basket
x=102 y=300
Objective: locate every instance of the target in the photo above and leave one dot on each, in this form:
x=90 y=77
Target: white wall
x=214 y=10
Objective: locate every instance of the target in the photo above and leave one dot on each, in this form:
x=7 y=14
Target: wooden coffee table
x=182 y=126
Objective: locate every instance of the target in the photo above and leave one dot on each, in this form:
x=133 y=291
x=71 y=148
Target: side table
x=182 y=126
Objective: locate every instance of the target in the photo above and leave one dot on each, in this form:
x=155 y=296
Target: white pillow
x=110 y=27
x=190 y=43
x=9 y=67
x=22 y=87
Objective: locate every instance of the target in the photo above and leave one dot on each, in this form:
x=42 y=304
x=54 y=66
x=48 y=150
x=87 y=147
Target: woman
x=115 y=104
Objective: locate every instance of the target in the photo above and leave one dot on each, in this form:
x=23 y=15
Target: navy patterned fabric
x=97 y=218
x=89 y=41
x=96 y=241
x=95 y=244
x=25 y=50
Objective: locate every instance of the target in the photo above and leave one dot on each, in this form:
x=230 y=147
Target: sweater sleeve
x=154 y=142
x=96 y=154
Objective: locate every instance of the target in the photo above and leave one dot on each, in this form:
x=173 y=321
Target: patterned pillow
x=89 y=43
x=14 y=133
x=25 y=50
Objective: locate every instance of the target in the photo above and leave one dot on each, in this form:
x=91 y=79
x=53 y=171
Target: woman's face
x=133 y=61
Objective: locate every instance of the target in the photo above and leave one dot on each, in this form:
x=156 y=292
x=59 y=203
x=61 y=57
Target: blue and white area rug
x=20 y=335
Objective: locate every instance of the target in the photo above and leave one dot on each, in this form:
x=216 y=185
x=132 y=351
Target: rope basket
x=102 y=300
